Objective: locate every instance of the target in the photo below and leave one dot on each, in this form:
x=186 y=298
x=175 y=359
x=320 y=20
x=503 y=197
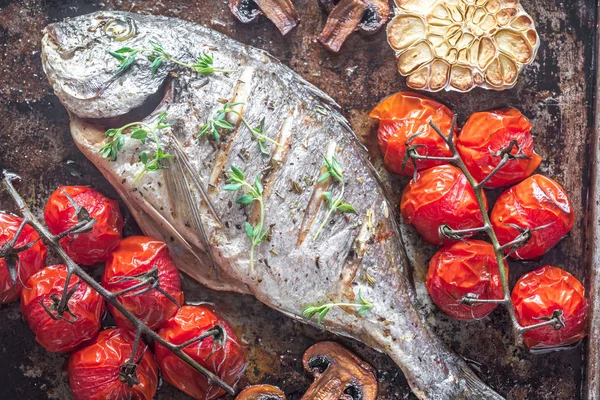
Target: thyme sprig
x=139 y=131
x=253 y=193
x=363 y=306
x=158 y=55
x=218 y=122
x=336 y=172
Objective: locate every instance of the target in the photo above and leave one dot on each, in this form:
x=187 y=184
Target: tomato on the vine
x=90 y=247
x=405 y=116
x=486 y=134
x=133 y=257
x=547 y=292
x=79 y=322
x=94 y=371
x=440 y=196
x=462 y=269
x=538 y=204
x=26 y=263
x=227 y=360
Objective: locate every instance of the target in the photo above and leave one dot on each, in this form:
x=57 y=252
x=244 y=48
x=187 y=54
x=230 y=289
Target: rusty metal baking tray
x=557 y=93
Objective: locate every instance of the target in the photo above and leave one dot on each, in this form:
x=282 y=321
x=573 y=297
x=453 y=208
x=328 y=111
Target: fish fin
x=185 y=165
x=185 y=206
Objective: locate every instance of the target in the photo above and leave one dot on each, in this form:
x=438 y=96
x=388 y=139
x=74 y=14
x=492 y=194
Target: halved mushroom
x=261 y=392
x=339 y=374
x=281 y=12
x=347 y=16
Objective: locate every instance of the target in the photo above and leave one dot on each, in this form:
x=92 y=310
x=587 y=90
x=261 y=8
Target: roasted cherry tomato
x=94 y=371
x=26 y=263
x=126 y=266
x=90 y=247
x=440 y=196
x=465 y=268
x=401 y=117
x=486 y=134
x=227 y=360
x=539 y=204
x=544 y=293
x=77 y=325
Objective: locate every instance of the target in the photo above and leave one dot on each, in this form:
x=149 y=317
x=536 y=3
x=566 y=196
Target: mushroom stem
x=281 y=12
x=343 y=20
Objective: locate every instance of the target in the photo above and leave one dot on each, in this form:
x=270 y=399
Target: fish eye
x=119 y=29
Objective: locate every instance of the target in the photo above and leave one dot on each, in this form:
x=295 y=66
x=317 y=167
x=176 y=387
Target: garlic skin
x=462 y=44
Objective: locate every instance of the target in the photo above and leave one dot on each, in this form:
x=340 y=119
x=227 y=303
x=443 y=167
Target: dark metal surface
x=556 y=93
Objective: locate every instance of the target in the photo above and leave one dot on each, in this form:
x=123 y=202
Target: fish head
x=84 y=56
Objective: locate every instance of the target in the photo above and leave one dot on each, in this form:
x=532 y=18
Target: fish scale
x=186 y=206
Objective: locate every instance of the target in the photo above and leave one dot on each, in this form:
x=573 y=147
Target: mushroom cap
x=261 y=392
x=338 y=371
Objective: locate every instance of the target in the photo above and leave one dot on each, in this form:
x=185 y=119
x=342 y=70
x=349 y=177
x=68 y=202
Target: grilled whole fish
x=186 y=205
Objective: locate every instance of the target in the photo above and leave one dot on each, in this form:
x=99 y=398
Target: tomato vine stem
x=52 y=241
x=555 y=319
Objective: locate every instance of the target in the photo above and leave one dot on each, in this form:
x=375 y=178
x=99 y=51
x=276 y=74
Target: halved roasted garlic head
x=461 y=44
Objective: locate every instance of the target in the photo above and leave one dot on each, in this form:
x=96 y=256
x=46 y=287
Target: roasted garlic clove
x=462 y=44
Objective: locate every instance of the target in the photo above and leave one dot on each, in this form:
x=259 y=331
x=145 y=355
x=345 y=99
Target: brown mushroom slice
x=350 y=15
x=281 y=12
x=339 y=374
x=261 y=392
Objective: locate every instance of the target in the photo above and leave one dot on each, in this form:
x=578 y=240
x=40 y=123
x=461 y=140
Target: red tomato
x=533 y=203
x=461 y=269
x=29 y=261
x=489 y=132
x=538 y=294
x=94 y=370
x=85 y=303
x=94 y=246
x=440 y=195
x=134 y=256
x=228 y=362
x=403 y=115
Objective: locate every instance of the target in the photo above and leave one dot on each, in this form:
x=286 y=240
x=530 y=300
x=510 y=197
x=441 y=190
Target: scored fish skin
x=202 y=224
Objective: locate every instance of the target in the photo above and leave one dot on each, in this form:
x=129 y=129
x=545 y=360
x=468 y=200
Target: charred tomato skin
x=538 y=294
x=137 y=255
x=403 y=115
x=489 y=132
x=464 y=268
x=85 y=303
x=91 y=247
x=533 y=203
x=29 y=261
x=228 y=363
x=94 y=370
x=440 y=196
